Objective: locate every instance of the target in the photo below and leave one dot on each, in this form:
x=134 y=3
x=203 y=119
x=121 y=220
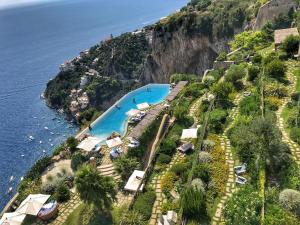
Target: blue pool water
x=115 y=119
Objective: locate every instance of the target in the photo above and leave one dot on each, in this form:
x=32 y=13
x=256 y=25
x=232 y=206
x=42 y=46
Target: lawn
x=87 y=215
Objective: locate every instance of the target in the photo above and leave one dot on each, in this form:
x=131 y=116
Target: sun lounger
x=241 y=180
x=240 y=169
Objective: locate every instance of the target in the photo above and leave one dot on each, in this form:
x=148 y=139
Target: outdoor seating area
x=33 y=205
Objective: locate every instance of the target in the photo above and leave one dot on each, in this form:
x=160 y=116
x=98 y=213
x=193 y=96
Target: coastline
x=95 y=121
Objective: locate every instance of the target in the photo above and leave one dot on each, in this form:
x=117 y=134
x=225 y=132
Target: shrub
x=62 y=193
x=234 y=74
x=290 y=45
x=276 y=89
x=290 y=199
x=250 y=105
x=295 y=96
x=77 y=160
x=169 y=206
x=277 y=215
x=163 y=158
x=49 y=188
x=192 y=201
x=222 y=56
x=273 y=103
x=179 y=168
x=204 y=157
x=168 y=146
x=244 y=207
x=202 y=171
x=295 y=134
x=38 y=168
x=276 y=69
x=253 y=72
x=217 y=120
x=125 y=166
x=72 y=143
x=144 y=204
x=167 y=181
x=198 y=184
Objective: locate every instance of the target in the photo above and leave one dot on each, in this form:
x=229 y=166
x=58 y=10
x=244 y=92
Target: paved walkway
x=156 y=185
x=225 y=143
x=295 y=149
x=65 y=209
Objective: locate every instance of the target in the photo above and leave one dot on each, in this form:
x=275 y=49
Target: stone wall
x=271 y=10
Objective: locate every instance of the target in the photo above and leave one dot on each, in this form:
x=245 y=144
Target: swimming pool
x=115 y=119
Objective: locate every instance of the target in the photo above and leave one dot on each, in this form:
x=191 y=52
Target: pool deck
x=138 y=130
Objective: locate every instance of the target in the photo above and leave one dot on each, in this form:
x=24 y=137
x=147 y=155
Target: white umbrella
x=89 y=143
x=133 y=112
x=14 y=218
x=33 y=204
x=114 y=142
x=142 y=106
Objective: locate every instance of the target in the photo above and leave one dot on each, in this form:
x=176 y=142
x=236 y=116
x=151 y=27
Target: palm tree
x=94 y=188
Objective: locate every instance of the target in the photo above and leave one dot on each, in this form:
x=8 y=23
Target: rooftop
x=281 y=35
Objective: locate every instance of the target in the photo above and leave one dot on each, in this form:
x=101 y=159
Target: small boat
x=41 y=142
x=44 y=151
x=22 y=155
x=11 y=178
x=9 y=190
x=34 y=117
x=31 y=138
x=46 y=128
x=51 y=145
x=50 y=139
x=51 y=133
x=22 y=178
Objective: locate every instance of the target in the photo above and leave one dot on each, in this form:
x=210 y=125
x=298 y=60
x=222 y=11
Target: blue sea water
x=34 y=41
x=115 y=118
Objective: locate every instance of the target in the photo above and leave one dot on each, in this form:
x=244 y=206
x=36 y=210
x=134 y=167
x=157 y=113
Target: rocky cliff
x=185 y=42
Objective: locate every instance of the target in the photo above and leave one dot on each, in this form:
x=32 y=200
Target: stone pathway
x=65 y=209
x=156 y=185
x=295 y=149
x=225 y=143
x=193 y=110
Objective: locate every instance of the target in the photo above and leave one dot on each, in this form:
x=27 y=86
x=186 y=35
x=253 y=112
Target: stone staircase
x=109 y=170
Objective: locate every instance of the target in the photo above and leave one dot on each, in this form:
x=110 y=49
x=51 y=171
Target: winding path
x=225 y=143
x=295 y=149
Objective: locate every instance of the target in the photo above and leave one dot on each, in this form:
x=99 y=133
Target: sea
x=34 y=40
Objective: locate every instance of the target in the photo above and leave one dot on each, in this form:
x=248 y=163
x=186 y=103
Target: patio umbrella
x=114 y=142
x=14 y=218
x=133 y=112
x=33 y=204
x=89 y=144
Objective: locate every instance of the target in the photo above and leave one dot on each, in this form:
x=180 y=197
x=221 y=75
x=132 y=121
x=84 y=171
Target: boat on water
x=11 y=178
x=31 y=138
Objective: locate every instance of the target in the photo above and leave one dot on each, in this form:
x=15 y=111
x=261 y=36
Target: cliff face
x=181 y=54
x=185 y=42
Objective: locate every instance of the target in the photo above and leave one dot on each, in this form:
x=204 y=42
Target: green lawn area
x=87 y=215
